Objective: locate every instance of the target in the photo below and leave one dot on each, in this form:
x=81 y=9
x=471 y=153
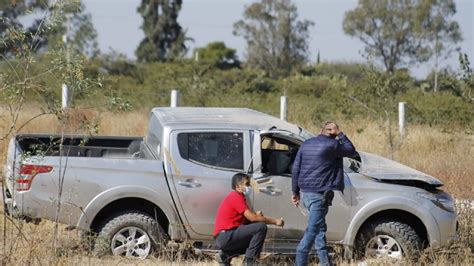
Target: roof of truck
x=240 y=118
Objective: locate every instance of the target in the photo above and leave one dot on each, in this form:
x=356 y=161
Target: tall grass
x=445 y=155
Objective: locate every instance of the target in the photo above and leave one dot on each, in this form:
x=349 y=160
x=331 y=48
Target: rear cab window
x=213 y=149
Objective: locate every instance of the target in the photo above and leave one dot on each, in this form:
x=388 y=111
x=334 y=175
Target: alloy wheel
x=131 y=242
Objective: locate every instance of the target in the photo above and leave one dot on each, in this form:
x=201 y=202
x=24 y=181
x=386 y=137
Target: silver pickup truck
x=139 y=193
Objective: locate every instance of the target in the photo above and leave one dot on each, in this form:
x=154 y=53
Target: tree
x=28 y=80
x=439 y=30
x=467 y=78
x=44 y=33
x=387 y=29
x=217 y=54
x=164 y=38
x=277 y=41
x=8 y=23
x=401 y=32
x=377 y=94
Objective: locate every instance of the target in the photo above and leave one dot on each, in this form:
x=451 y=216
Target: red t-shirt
x=230 y=213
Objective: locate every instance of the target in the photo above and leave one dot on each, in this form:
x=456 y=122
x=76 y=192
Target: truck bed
x=80 y=145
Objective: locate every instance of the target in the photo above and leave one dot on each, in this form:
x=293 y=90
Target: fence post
x=283 y=108
x=64 y=97
x=174 y=98
x=401 y=119
x=196 y=56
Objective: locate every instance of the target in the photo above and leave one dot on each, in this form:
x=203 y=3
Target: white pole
x=196 y=56
x=65 y=97
x=283 y=108
x=174 y=98
x=401 y=118
x=64 y=89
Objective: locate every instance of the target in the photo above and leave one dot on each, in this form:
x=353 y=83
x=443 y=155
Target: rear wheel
x=389 y=239
x=130 y=234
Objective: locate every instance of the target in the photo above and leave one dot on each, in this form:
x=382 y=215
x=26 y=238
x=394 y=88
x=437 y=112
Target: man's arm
x=344 y=147
x=296 y=172
x=254 y=217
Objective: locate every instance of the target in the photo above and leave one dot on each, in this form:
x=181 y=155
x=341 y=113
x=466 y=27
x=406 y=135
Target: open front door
x=272 y=173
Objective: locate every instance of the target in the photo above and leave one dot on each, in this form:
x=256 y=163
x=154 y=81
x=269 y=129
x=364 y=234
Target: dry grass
x=446 y=155
x=34 y=246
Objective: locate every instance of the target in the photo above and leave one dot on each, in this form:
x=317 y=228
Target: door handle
x=189 y=183
x=264 y=180
x=271 y=190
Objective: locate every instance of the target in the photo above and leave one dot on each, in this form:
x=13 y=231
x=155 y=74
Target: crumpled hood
x=384 y=169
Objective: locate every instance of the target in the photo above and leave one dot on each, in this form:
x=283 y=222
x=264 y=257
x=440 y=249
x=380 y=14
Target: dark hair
x=237 y=178
x=327 y=123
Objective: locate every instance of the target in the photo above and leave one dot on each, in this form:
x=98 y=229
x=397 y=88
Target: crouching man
x=237 y=229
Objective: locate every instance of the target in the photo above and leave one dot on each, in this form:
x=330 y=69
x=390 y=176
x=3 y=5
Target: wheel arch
x=125 y=198
x=400 y=208
x=399 y=215
x=130 y=204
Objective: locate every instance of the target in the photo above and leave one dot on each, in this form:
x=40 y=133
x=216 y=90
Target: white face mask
x=248 y=191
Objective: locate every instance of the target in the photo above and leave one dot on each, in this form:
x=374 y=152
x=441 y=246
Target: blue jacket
x=318 y=164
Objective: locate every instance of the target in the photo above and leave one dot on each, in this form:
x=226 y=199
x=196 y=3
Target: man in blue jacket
x=317 y=172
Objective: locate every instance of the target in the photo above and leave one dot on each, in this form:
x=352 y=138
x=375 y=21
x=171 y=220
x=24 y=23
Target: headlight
x=442 y=200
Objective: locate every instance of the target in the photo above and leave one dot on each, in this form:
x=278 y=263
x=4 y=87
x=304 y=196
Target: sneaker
x=222 y=258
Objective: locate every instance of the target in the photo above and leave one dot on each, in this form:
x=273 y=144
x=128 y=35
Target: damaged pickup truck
x=139 y=193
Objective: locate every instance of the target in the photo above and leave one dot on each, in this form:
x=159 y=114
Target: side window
x=217 y=149
x=278 y=155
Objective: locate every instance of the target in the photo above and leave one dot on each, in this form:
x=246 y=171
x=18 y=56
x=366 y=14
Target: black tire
x=116 y=223
x=406 y=237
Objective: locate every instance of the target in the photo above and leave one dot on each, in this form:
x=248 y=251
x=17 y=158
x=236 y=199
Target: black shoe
x=222 y=258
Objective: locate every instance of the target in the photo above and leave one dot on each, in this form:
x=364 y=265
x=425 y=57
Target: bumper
x=11 y=208
x=8 y=203
x=447 y=227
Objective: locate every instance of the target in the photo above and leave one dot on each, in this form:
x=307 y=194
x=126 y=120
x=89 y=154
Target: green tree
x=403 y=32
x=277 y=41
x=386 y=28
x=377 y=93
x=10 y=11
x=44 y=33
x=219 y=55
x=78 y=31
x=467 y=78
x=30 y=80
x=164 y=38
x=440 y=31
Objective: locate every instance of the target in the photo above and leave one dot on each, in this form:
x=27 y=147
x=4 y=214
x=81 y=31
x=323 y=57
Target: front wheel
x=130 y=234
x=387 y=238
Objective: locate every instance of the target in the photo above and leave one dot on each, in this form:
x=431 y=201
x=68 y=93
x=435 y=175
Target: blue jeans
x=315 y=231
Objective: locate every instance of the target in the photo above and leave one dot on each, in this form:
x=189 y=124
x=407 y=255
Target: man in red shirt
x=238 y=230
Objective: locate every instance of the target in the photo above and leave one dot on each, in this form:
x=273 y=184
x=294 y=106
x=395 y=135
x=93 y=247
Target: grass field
x=447 y=155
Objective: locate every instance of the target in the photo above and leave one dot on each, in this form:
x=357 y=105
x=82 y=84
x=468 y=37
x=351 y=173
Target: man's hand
x=330 y=129
x=295 y=199
x=258 y=217
x=280 y=222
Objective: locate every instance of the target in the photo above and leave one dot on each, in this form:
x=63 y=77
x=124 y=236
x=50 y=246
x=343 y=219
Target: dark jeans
x=246 y=239
x=315 y=234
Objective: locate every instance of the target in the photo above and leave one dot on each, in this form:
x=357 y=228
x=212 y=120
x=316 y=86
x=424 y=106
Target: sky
x=118 y=25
